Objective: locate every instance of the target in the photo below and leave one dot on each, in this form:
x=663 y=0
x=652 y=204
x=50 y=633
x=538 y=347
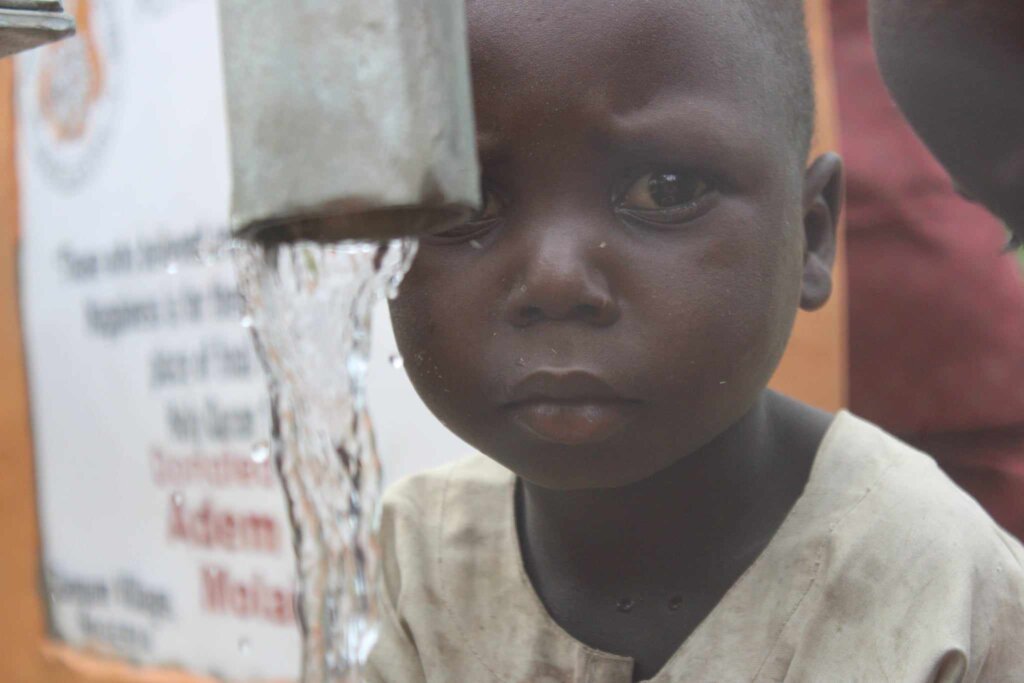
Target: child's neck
x=706 y=517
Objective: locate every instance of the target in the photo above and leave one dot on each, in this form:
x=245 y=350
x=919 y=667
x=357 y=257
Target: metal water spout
x=351 y=132
x=348 y=120
x=25 y=24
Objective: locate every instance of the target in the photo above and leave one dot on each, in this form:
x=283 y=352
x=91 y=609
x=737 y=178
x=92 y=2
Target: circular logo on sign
x=69 y=93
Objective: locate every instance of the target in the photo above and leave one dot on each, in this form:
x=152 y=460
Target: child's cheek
x=744 y=287
x=437 y=331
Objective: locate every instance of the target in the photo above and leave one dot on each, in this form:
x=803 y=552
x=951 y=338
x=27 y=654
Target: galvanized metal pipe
x=25 y=24
x=348 y=119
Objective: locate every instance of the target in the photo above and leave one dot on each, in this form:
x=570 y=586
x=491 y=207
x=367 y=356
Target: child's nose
x=561 y=281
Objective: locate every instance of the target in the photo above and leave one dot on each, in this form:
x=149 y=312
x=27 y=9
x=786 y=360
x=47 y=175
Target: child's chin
x=579 y=468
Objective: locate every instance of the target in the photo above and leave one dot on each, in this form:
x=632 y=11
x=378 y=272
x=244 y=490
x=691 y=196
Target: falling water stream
x=309 y=306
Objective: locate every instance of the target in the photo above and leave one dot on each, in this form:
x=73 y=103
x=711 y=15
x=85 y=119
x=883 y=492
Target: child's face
x=633 y=278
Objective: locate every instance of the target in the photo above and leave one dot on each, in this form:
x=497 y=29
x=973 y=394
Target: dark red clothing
x=936 y=311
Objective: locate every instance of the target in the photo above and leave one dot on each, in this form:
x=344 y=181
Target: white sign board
x=165 y=542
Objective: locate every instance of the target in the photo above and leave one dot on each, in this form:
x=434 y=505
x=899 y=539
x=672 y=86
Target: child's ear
x=823 y=200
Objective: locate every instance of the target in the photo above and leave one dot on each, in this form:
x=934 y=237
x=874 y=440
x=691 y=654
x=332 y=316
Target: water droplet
x=209 y=251
x=475 y=244
x=260 y=452
x=602 y=245
x=331 y=607
x=172 y=268
x=397 y=362
x=394 y=286
x=244 y=646
x=625 y=605
x=177 y=499
x=246 y=321
x=675 y=602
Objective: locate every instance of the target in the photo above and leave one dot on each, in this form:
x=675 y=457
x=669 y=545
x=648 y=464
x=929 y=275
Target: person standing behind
x=956 y=69
x=936 y=310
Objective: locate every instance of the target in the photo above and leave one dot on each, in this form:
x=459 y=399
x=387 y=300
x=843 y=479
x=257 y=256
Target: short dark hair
x=782 y=27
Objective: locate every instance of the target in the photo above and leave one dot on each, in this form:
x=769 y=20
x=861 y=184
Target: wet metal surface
x=25 y=24
x=348 y=119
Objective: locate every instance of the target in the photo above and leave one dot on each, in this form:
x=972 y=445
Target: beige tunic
x=882 y=571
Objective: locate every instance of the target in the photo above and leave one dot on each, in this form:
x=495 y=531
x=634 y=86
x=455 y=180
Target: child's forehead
x=624 y=52
x=605 y=19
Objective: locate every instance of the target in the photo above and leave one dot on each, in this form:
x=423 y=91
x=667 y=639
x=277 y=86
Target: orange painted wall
x=814 y=369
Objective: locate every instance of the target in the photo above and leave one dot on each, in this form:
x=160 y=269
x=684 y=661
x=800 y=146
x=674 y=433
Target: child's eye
x=666 y=197
x=479 y=223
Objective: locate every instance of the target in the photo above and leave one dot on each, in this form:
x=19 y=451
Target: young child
x=604 y=331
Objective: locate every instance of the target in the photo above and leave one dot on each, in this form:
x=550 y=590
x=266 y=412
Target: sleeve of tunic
x=395 y=658
x=999 y=621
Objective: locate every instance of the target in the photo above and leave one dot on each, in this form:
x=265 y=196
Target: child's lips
x=569 y=406
x=573 y=422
